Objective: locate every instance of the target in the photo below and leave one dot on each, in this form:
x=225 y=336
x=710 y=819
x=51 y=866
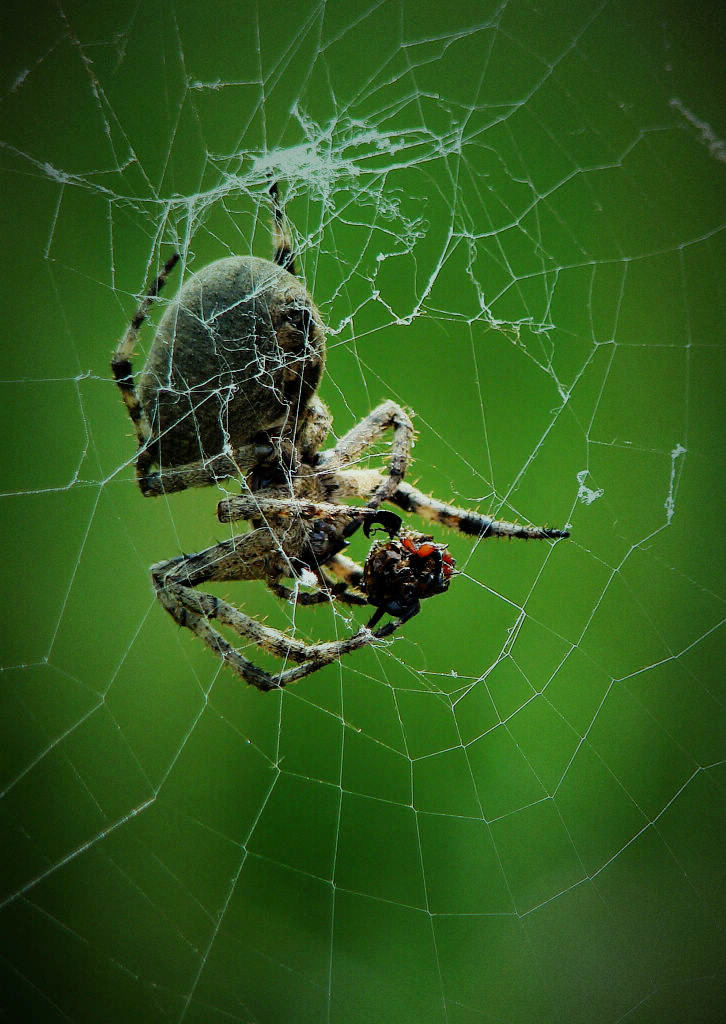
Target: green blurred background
x=512 y=217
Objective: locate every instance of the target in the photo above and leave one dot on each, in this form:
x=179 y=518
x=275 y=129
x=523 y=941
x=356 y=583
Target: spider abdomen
x=239 y=349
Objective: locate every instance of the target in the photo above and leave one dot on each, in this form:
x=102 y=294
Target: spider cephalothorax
x=229 y=390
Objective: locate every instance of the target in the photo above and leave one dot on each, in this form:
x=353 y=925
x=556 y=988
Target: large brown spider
x=229 y=390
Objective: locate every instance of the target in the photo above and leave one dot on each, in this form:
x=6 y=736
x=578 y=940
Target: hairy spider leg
x=283 y=254
x=350 y=447
x=256 y=505
x=178 y=601
x=329 y=591
x=194 y=610
x=474 y=524
x=347 y=570
x=359 y=483
x=239 y=558
x=122 y=371
x=204 y=474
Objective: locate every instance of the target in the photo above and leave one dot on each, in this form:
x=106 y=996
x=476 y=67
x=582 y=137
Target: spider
x=229 y=390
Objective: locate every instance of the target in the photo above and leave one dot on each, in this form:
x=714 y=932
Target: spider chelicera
x=229 y=389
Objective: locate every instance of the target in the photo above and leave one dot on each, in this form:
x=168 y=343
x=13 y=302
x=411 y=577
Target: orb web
x=511 y=219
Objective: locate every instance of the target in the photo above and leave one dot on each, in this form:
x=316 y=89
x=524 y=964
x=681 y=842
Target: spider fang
x=389 y=521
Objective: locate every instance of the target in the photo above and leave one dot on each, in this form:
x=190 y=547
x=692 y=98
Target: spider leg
x=180 y=600
x=253 y=674
x=243 y=558
x=203 y=474
x=348 y=591
x=121 y=369
x=410 y=499
x=348 y=570
x=388 y=415
x=257 y=505
x=302 y=597
x=334 y=522
x=199 y=625
x=329 y=527
x=359 y=483
x=282 y=239
x=329 y=592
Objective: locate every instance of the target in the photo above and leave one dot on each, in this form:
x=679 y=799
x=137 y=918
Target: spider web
x=512 y=219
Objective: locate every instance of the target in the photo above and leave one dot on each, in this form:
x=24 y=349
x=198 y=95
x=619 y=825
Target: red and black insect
x=403 y=570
